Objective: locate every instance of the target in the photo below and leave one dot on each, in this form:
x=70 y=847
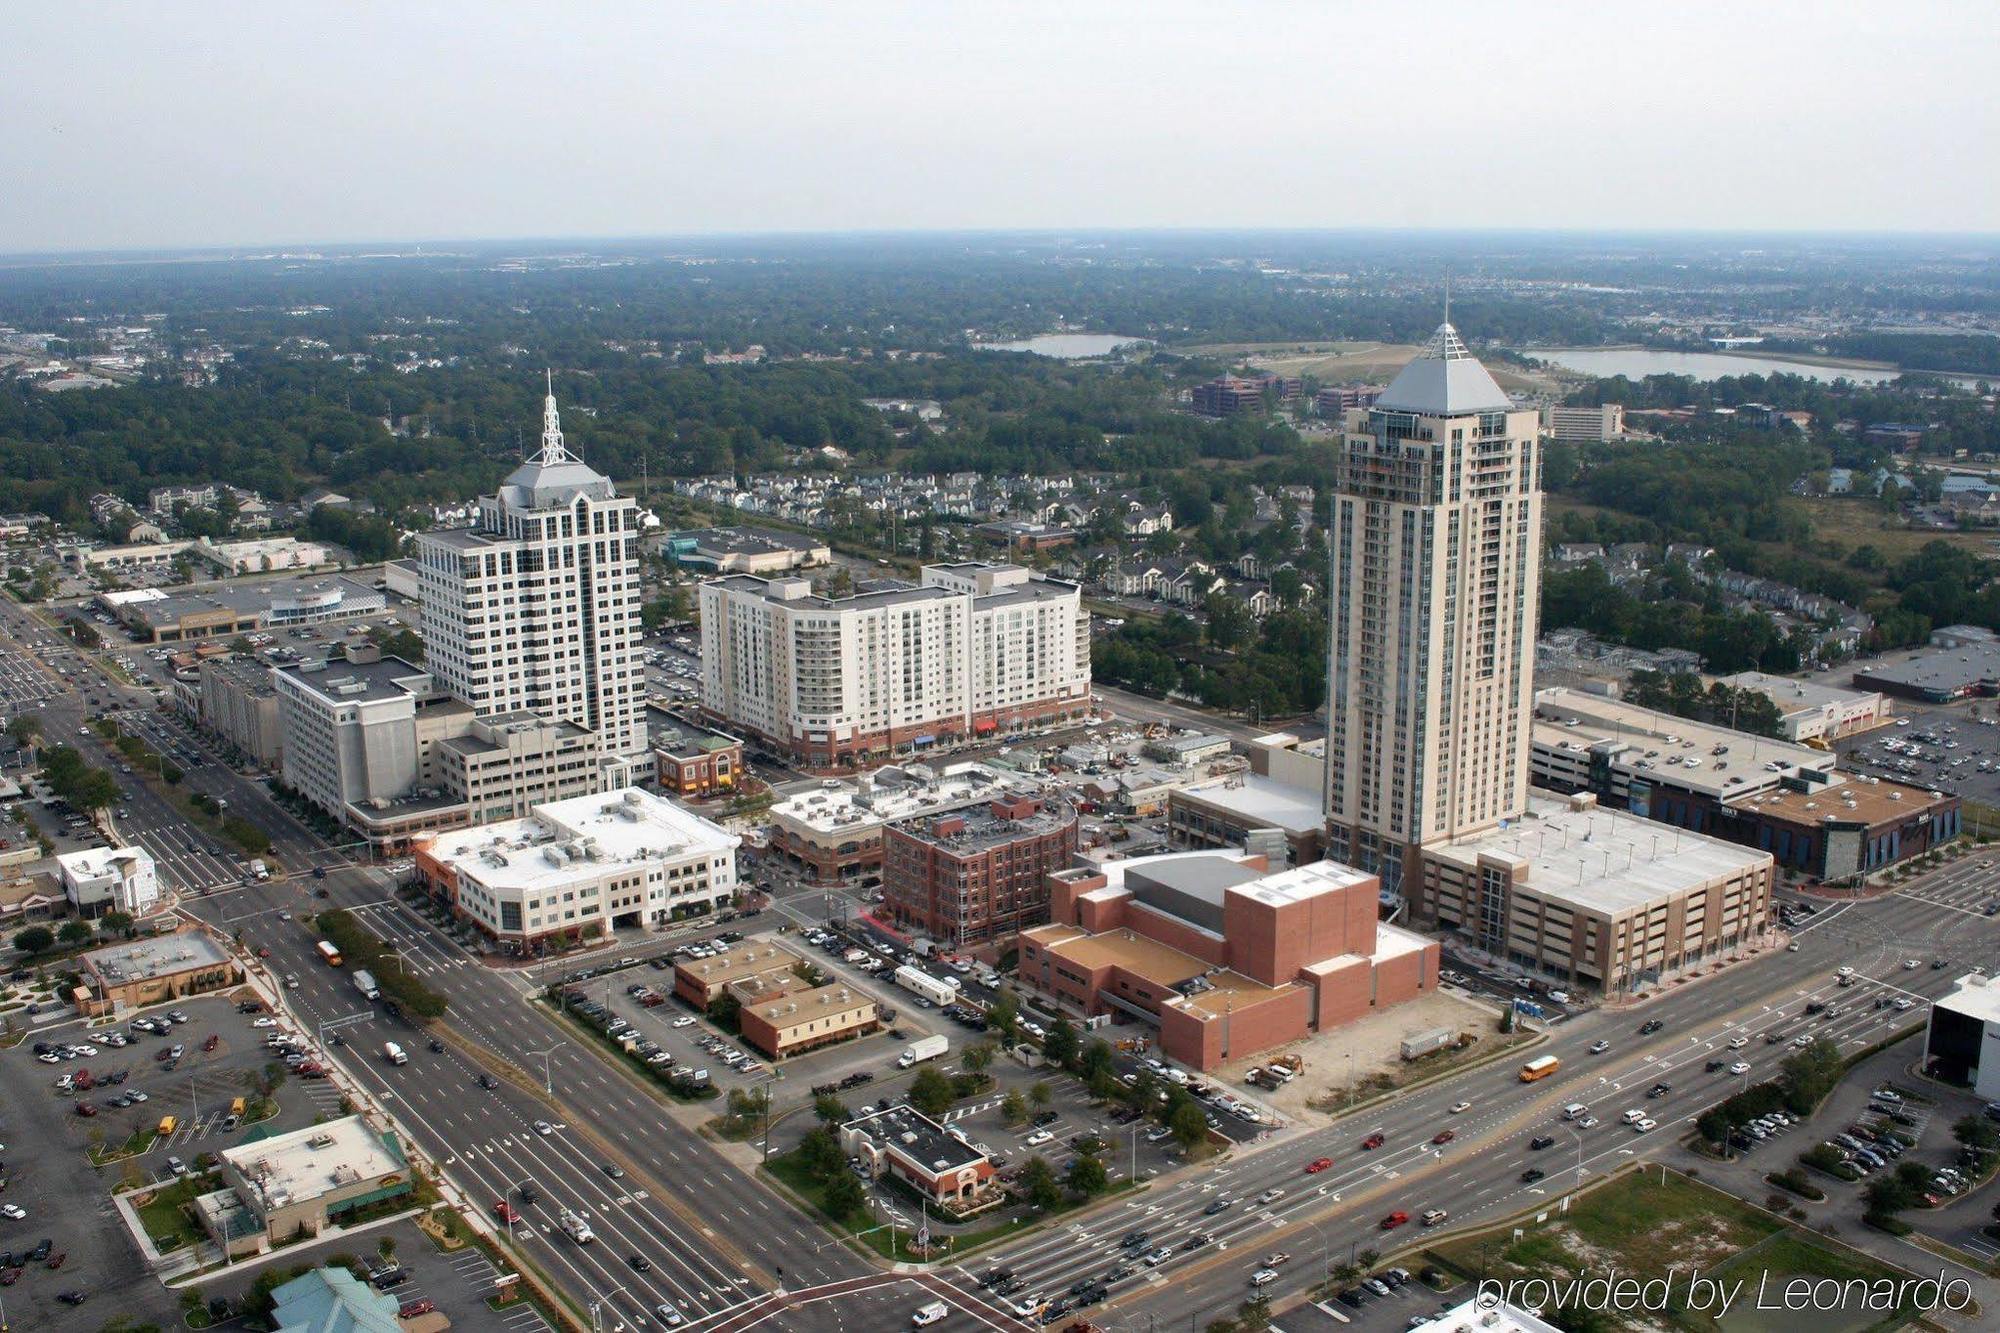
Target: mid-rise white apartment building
x=1436 y=530
x=1585 y=425
x=974 y=649
x=578 y=867
x=535 y=607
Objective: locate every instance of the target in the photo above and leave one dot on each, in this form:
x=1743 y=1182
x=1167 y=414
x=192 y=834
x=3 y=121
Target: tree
x=1188 y=1125
x=723 y=1011
x=1103 y=1085
x=115 y=922
x=74 y=932
x=931 y=1092
x=1097 y=1058
x=1038 y=1182
x=34 y=939
x=24 y=727
x=819 y=1153
x=1976 y=1132
x=1003 y=1014
x=1059 y=1047
x=828 y=1110
x=1086 y=1177
x=977 y=1059
x=1228 y=622
x=843 y=1196
x=1041 y=1094
x=1014 y=1107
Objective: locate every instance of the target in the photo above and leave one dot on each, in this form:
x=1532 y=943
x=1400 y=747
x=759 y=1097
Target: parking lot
x=115 y=1099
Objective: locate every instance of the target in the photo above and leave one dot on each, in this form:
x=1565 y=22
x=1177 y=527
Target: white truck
x=364 y=981
x=394 y=1054
x=938 y=990
x=926 y=1048
x=259 y=871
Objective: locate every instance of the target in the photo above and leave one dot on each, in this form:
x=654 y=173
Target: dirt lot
x=1376 y=1045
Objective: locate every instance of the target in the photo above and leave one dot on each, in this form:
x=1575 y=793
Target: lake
x=1638 y=362
x=1065 y=346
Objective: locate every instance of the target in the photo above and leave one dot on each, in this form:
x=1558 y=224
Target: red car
x=1317 y=1165
x=505 y=1211
x=411 y=1309
x=212 y=1042
x=1394 y=1220
x=1444 y=1136
x=1373 y=1141
x=56 y=1260
x=85 y=1109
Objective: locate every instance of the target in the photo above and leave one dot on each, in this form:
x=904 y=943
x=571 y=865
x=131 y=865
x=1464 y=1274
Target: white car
x=1645 y=1124
x=684 y=1021
x=49 y=1058
x=1738 y=1043
x=1599 y=1047
x=291 y=981
x=1262 y=1276
x=1459 y=1108
x=1038 y=1138
x=15 y=1211
x=136 y=1095
x=1911 y=964
x=86 y=1050
x=1844 y=972
x=544 y=1128
x=668 y=1316
x=1739 y=1068
x=1586 y=1122
x=264 y=1023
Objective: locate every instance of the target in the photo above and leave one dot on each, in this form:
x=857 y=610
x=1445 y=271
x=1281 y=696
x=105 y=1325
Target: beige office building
x=1436 y=529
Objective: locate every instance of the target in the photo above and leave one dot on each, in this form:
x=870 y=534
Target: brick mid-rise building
x=1224 y=957
x=971 y=876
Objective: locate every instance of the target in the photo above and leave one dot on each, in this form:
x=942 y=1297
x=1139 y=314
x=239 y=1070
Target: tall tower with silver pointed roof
x=1436 y=532
x=535 y=608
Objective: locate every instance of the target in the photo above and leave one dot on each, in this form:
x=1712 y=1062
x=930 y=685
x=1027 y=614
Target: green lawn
x=165 y=1215
x=1786 y=1256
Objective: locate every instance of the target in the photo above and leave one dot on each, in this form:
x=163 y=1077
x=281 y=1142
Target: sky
x=205 y=123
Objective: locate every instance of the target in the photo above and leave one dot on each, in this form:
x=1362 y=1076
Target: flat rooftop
x=580 y=838
x=1661 y=744
x=307 y=1163
x=1603 y=860
x=1161 y=964
x=1260 y=802
x=984 y=829
x=838 y=805
x=1975 y=996
x=159 y=956
x=1850 y=797
x=918 y=1139
x=324 y=596
x=342 y=681
x=747 y=541
x=97 y=862
x=1941 y=671
x=1797 y=696
x=836 y=997
x=744 y=961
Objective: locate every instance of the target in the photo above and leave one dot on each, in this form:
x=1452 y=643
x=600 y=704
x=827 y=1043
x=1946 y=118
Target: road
x=1325 y=1219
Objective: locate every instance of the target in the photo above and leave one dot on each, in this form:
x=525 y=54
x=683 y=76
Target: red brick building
x=1224 y=957
x=971 y=876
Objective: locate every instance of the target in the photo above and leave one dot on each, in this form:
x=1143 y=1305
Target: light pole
x=1577 y=1134
x=600 y=1302
x=548 y=1081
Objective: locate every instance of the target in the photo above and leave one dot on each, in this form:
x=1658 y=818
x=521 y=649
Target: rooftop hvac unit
x=909 y=1136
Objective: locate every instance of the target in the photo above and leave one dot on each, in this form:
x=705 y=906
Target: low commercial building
x=1962 y=1039
x=1025 y=537
x=328 y=1299
x=1223 y=955
x=973 y=876
x=1967 y=668
x=575 y=869
x=263 y=555
x=756 y=967
x=107 y=879
x=1809 y=711
x=1596 y=897
x=745 y=550
x=234 y=698
x=155 y=616
x=1187 y=750
x=693 y=760
x=806 y=1019
x=1231 y=811
x=294 y=1185
x=903 y=1144
x=150 y=971
x=1778 y=796
x=833 y=830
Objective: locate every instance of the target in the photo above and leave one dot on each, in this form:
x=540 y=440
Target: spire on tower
x=553 y=449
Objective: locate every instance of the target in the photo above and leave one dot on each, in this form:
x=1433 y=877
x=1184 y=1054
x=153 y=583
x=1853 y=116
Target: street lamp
x=600 y=1302
x=548 y=1081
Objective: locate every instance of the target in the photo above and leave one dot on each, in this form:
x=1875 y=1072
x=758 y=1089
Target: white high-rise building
x=1436 y=533
x=976 y=649
x=535 y=609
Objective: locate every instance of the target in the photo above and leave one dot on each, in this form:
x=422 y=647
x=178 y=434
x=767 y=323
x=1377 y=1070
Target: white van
x=1574 y=1110
x=394 y=1054
x=1633 y=1117
x=930 y=1314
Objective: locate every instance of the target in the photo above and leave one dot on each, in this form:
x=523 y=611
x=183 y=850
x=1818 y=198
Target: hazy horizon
x=235 y=126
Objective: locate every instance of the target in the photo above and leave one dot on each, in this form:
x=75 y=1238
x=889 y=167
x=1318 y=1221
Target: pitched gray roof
x=1444 y=379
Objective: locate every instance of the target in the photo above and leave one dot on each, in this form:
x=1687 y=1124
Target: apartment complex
x=236 y=699
x=1585 y=425
x=834 y=833
x=577 y=868
x=973 y=876
x=973 y=650
x=1597 y=897
x=1436 y=531
x=534 y=609
x=1224 y=956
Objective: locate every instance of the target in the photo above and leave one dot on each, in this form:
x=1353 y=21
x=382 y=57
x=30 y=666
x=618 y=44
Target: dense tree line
x=1281 y=672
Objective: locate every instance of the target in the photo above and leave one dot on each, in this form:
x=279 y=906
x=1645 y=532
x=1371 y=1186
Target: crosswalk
x=423 y=950
x=185 y=861
x=961 y=1112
